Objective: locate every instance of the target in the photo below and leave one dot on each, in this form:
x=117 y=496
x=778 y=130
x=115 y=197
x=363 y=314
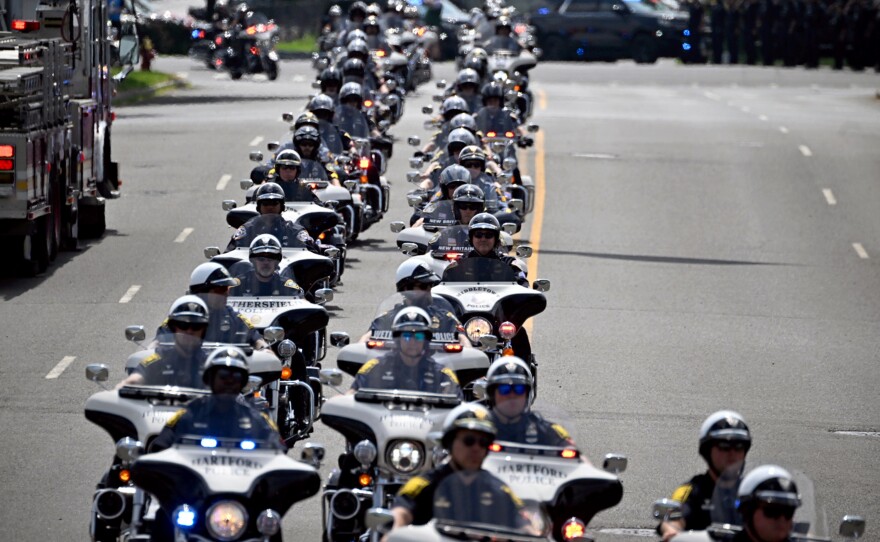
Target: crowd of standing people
x=790 y=32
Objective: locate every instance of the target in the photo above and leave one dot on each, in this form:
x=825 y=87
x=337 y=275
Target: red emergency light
x=25 y=26
x=7 y=151
x=7 y=165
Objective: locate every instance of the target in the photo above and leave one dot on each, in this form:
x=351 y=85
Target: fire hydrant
x=147 y=54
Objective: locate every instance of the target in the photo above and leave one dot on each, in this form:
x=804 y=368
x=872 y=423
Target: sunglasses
x=774 y=511
x=289 y=167
x=306 y=143
x=413 y=335
x=483 y=235
x=472 y=165
x=516 y=389
x=470 y=440
x=226 y=374
x=728 y=446
x=271 y=202
x=264 y=259
x=470 y=206
x=419 y=286
x=187 y=326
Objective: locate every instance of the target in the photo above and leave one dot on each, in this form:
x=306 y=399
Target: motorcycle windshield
x=479 y=270
x=724 y=497
x=810 y=522
x=445 y=328
x=477 y=505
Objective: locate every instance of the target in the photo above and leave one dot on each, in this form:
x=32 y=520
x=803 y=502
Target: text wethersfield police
x=260 y=304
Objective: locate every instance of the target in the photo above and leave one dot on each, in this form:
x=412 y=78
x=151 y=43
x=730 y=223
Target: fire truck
x=56 y=166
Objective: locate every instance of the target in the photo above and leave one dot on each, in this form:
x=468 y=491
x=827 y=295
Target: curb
x=287 y=55
x=130 y=96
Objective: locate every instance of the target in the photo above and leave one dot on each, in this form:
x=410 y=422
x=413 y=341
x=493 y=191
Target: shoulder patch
x=435 y=237
x=682 y=493
x=414 y=487
x=246 y=321
x=451 y=374
x=560 y=431
x=172 y=421
x=239 y=233
x=304 y=236
x=516 y=500
x=368 y=366
x=150 y=359
x=289 y=283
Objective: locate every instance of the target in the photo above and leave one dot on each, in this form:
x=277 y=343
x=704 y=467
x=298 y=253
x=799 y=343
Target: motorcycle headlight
x=226 y=520
x=477 y=327
x=405 y=456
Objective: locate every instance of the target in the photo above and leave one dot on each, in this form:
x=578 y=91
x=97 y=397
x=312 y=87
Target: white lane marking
x=744 y=109
x=763 y=118
x=130 y=293
x=596 y=156
x=731 y=104
x=182 y=75
x=256 y=141
x=221 y=184
x=783 y=129
x=829 y=196
x=58 y=369
x=805 y=150
x=860 y=250
x=859 y=433
x=183 y=235
x=712 y=96
x=298 y=78
x=774 y=85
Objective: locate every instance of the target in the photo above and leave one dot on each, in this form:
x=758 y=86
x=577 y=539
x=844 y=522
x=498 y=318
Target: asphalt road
x=711 y=234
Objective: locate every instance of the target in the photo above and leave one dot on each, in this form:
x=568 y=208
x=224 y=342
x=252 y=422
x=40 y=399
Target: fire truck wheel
x=92 y=220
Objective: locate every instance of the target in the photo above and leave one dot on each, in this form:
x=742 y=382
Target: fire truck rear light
x=7 y=165
x=112 y=116
x=7 y=151
x=25 y=26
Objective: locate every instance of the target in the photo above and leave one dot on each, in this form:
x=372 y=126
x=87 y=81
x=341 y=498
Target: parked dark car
x=643 y=30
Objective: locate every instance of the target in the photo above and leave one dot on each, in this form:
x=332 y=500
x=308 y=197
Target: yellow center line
x=537 y=217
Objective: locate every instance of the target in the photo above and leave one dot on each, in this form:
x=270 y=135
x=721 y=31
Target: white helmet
x=769 y=484
x=190 y=309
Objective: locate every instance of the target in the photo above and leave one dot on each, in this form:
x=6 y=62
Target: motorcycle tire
x=235 y=74
x=272 y=71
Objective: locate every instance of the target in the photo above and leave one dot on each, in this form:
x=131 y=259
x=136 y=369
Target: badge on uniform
x=304 y=236
x=239 y=233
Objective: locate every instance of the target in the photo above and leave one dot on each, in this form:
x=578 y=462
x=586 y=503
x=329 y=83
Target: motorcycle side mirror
x=350 y=184
x=286 y=348
x=312 y=454
x=255 y=156
x=413 y=177
x=287 y=117
x=135 y=333
x=376 y=518
x=273 y=334
x=129 y=449
x=509 y=228
x=384 y=125
x=415 y=141
x=229 y=204
x=210 y=252
x=391 y=84
x=481 y=391
x=331 y=203
x=532 y=128
x=614 y=463
x=331 y=252
x=665 y=508
x=323 y=295
x=542 y=285
x=509 y=164
x=524 y=251
x=245 y=184
x=852 y=526
x=253 y=384
x=441 y=84
x=415 y=162
x=516 y=204
x=410 y=249
x=428 y=110
x=488 y=342
x=339 y=339
x=437 y=98
x=343 y=159
x=397 y=226
x=97 y=372
x=413 y=200
x=316 y=85
x=330 y=377
x=538 y=52
x=272 y=146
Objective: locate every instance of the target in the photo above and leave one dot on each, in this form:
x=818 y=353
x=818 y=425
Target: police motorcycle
x=468 y=364
x=732 y=491
x=367 y=168
x=203 y=44
x=249 y=48
x=492 y=305
x=388 y=441
x=225 y=489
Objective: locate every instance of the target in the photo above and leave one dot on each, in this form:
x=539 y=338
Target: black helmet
x=306 y=119
x=485 y=222
x=470 y=416
x=411 y=319
x=351 y=91
x=413 y=271
x=502 y=22
x=289 y=157
x=335 y=11
x=322 y=106
x=371 y=22
x=228 y=357
x=330 y=76
x=189 y=309
x=768 y=484
x=477 y=63
x=472 y=153
x=353 y=67
x=459 y=139
x=452 y=106
x=468 y=193
x=454 y=175
x=355 y=34
x=726 y=426
x=210 y=275
x=265 y=245
x=467 y=76
x=508 y=370
x=307 y=133
x=357 y=49
x=464 y=120
x=492 y=90
x=269 y=192
x=357 y=9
